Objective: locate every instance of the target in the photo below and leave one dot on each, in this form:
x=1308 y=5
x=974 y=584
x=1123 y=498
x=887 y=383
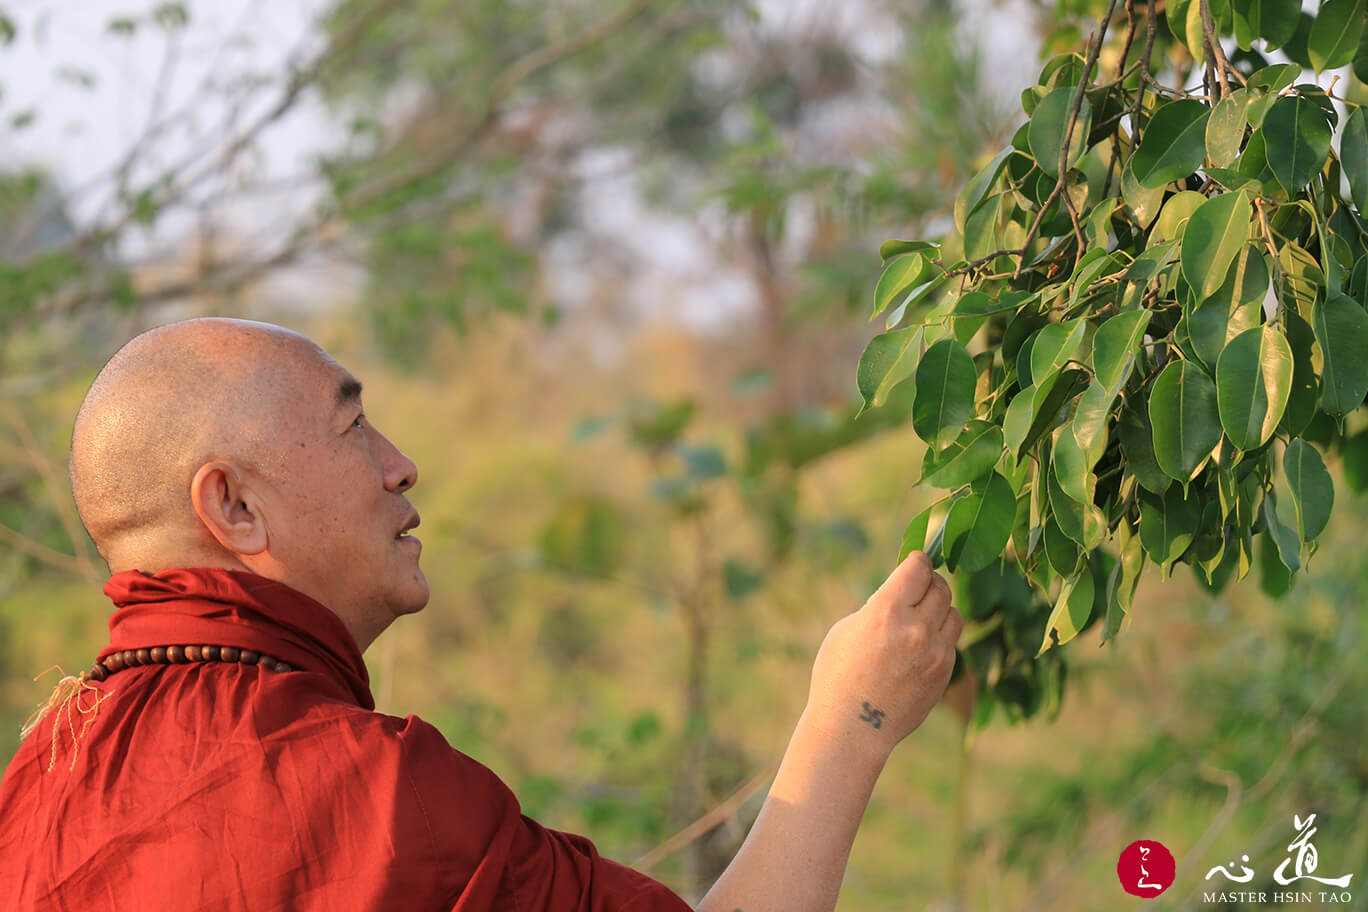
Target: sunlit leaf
x=1253 y=381
x=1071 y=611
x=1334 y=37
x=1215 y=235
x=1185 y=418
x=888 y=359
x=1173 y=143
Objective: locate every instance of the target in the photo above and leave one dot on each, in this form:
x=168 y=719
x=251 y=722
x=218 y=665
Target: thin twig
x=700 y=827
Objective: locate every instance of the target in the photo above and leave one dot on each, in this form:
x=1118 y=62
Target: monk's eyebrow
x=349 y=390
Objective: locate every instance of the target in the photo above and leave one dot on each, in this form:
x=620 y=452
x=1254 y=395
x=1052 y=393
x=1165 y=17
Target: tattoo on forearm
x=873 y=716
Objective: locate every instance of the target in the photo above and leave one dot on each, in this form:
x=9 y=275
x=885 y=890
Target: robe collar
x=218 y=607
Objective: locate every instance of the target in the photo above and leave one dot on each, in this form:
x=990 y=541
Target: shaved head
x=227 y=443
x=169 y=401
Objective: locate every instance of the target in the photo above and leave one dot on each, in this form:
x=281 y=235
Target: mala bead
x=180 y=655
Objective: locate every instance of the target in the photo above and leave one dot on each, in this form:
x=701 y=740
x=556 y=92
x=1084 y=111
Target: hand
x=881 y=669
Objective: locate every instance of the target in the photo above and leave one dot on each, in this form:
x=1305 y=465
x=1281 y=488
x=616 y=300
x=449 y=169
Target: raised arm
x=877 y=675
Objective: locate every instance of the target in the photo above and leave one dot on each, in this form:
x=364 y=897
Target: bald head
x=169 y=401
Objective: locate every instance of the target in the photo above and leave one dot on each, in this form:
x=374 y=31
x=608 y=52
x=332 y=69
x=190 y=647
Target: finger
x=936 y=602
x=952 y=625
x=909 y=581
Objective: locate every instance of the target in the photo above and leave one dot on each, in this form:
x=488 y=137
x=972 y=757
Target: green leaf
x=1144 y=202
x=1070 y=466
x=892 y=248
x=1274 y=578
x=1354 y=458
x=1289 y=548
x=888 y=359
x=1335 y=34
x=1360 y=64
x=1168 y=523
x=1122 y=582
x=1236 y=306
x=966 y=459
x=1225 y=129
x=1214 y=236
x=978 y=526
x=1253 y=380
x=978 y=187
x=1137 y=444
x=1341 y=328
x=981 y=235
x=1354 y=157
x=899 y=278
x=1272 y=20
x=1313 y=493
x=980 y=304
x=1035 y=410
x=945 y=391
x=1185 y=22
x=1296 y=140
x=1081 y=521
x=918 y=536
x=1049 y=123
x=1173 y=218
x=1301 y=402
x=1185 y=419
x=1071 y=610
x=1061 y=552
x=1266 y=84
x=1054 y=345
x=1173 y=145
x=7 y=29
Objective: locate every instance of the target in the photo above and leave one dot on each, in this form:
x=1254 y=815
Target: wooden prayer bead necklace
x=181 y=655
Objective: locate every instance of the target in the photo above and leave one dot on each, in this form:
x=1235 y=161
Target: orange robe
x=222 y=786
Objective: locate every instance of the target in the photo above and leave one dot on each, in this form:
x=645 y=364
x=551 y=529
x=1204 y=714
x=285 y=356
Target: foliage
x=1145 y=330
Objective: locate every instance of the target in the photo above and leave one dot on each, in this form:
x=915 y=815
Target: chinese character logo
x=1306 y=858
x=1145 y=868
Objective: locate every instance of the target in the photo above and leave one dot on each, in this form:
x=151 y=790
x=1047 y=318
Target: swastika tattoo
x=873 y=716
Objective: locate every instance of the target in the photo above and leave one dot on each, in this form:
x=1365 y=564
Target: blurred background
x=603 y=266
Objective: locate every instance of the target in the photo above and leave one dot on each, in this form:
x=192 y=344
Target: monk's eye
x=357 y=422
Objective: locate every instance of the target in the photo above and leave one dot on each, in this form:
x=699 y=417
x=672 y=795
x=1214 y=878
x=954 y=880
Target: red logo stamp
x=1145 y=868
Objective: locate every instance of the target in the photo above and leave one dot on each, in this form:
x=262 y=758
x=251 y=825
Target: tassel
x=64 y=696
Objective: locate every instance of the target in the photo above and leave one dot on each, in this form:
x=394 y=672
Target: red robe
x=228 y=787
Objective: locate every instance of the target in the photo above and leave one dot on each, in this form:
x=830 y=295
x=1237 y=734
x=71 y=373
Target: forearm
x=795 y=855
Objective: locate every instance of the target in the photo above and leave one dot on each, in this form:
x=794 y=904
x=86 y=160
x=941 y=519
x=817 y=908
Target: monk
x=223 y=752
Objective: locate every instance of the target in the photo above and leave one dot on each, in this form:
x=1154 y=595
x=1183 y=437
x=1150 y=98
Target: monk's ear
x=228 y=504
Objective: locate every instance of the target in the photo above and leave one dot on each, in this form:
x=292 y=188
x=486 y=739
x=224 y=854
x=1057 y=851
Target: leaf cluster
x=1147 y=325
